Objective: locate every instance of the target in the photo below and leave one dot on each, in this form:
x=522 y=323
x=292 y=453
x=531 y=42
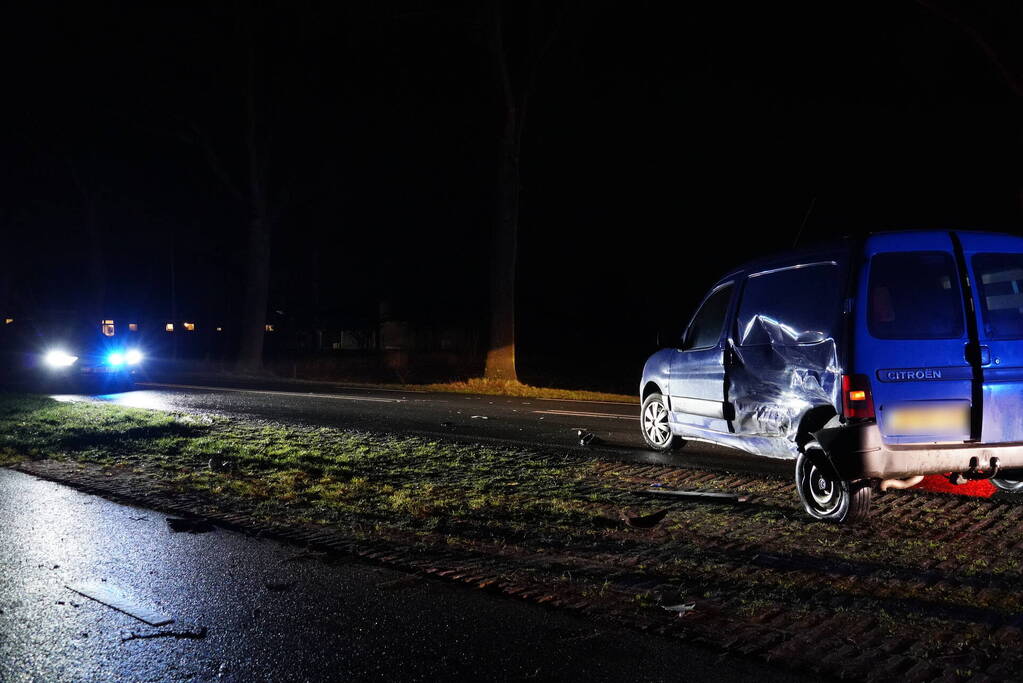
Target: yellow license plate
x=934 y=420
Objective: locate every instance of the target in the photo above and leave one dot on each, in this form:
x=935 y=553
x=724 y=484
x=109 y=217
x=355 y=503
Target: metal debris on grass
x=709 y=496
x=681 y=610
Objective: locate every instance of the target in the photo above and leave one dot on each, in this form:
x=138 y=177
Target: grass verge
x=510 y=388
x=321 y=475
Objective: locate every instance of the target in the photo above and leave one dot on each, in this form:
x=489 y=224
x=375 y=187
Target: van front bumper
x=859 y=452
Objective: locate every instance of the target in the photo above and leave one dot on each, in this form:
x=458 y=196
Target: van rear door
x=995 y=263
x=912 y=339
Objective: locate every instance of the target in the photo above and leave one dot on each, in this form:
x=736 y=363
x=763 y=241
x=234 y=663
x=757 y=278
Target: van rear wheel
x=824 y=494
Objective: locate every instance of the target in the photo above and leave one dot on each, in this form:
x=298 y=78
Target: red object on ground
x=982 y=488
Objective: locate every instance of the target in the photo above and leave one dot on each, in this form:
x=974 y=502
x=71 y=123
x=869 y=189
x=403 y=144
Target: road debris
x=590 y=439
x=114 y=598
x=190 y=525
x=179 y=629
x=480 y=417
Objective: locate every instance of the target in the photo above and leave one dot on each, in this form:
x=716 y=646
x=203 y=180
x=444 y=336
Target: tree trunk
x=501 y=350
x=257 y=285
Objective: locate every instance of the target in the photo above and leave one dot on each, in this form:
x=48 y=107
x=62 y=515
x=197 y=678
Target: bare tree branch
x=1010 y=77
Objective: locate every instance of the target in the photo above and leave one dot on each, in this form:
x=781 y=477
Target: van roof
x=876 y=241
x=820 y=251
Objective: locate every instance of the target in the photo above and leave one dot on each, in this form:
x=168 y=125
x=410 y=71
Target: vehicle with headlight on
x=64 y=353
x=869 y=363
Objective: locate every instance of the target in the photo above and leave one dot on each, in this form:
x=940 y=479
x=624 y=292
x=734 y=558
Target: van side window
x=914 y=295
x=1000 y=281
x=789 y=306
x=705 y=330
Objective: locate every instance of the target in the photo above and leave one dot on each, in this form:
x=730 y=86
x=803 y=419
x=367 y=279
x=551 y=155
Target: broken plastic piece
x=590 y=439
x=115 y=599
x=192 y=526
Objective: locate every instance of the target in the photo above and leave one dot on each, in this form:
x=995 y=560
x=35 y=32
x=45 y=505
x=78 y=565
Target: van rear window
x=1000 y=282
x=914 y=295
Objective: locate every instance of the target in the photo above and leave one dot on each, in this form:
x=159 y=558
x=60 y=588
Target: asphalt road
x=532 y=422
x=272 y=612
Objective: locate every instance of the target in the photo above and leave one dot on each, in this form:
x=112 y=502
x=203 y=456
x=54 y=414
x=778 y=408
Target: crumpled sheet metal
x=772 y=386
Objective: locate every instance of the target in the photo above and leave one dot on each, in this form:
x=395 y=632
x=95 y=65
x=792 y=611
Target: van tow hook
x=974 y=473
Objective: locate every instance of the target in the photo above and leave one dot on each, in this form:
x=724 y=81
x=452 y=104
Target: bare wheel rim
x=655 y=423
x=822 y=492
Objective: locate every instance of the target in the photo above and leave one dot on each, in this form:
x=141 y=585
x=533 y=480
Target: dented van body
x=868 y=362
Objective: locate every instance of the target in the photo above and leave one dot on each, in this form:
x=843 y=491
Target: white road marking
x=612 y=416
x=340 y=397
x=586 y=400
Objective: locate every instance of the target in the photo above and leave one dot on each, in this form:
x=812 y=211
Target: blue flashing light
x=116 y=358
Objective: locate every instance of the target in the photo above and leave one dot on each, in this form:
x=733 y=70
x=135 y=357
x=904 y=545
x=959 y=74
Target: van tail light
x=856 y=399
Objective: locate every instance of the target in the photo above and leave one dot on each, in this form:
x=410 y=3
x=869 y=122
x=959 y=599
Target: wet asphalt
x=541 y=423
x=273 y=613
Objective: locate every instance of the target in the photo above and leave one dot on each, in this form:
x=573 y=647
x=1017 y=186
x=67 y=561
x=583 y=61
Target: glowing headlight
x=116 y=358
x=59 y=359
x=134 y=357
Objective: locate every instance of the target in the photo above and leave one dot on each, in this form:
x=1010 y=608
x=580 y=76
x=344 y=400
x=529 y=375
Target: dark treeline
x=154 y=159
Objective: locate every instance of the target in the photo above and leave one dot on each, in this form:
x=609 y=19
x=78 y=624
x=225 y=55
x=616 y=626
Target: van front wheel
x=655 y=424
x=825 y=495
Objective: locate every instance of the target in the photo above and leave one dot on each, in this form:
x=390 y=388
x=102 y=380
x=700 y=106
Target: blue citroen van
x=869 y=362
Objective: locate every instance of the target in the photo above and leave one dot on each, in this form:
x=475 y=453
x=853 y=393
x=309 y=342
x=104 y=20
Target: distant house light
x=269 y=328
x=8 y=321
x=133 y=327
x=220 y=329
x=169 y=327
x=108 y=327
x=190 y=327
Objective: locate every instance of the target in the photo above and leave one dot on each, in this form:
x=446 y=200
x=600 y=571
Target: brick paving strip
x=928 y=590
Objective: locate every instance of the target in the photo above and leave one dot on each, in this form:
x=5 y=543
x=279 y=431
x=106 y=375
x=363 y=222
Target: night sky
x=664 y=144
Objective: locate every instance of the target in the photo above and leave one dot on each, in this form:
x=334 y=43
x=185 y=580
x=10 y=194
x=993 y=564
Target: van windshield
x=914 y=295
x=1000 y=283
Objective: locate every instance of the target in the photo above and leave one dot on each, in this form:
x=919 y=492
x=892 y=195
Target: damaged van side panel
x=784 y=358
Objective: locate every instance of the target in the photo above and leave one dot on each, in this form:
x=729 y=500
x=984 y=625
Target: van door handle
x=982 y=355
